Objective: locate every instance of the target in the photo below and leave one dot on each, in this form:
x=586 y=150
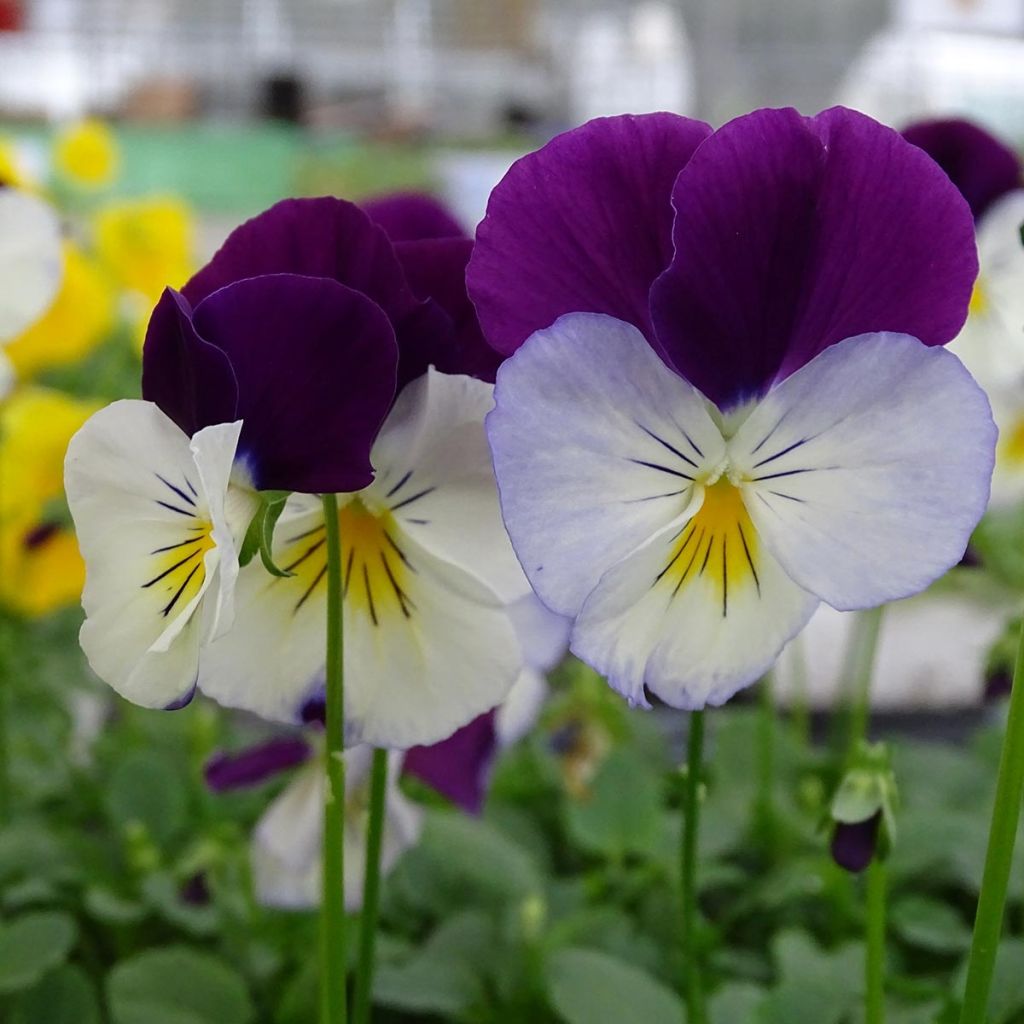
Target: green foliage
x=125 y=895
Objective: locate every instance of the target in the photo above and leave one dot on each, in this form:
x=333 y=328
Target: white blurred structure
x=962 y=57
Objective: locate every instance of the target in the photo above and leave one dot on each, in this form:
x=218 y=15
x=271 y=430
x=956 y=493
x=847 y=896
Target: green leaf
x=107 y=906
x=462 y=860
x=588 y=987
x=622 y=813
x=814 y=984
x=930 y=925
x=175 y=985
x=162 y=893
x=260 y=534
x=32 y=945
x=735 y=1003
x=64 y=996
x=146 y=787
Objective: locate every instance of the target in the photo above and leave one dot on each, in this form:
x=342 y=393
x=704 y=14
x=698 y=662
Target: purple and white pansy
x=307 y=357
x=728 y=398
x=989 y=176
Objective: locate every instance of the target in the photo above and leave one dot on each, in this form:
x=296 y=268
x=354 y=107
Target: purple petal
x=315 y=364
x=189 y=379
x=582 y=225
x=255 y=765
x=854 y=845
x=794 y=233
x=409 y=216
x=436 y=269
x=458 y=766
x=981 y=166
x=330 y=238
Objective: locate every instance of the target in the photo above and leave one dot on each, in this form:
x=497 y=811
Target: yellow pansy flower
x=12 y=173
x=87 y=154
x=79 y=319
x=40 y=568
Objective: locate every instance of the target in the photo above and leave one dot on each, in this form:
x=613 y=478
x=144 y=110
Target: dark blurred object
x=283 y=98
x=12 y=16
x=998 y=685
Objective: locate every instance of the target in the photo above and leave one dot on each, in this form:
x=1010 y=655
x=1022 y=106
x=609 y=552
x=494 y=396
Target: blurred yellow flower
x=79 y=319
x=87 y=154
x=36 y=425
x=12 y=172
x=40 y=568
x=146 y=244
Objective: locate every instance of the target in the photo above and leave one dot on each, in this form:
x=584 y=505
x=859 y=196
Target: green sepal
x=867 y=788
x=259 y=537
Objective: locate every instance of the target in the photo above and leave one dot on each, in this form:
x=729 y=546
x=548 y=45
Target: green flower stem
x=874 y=980
x=333 y=951
x=371 y=889
x=693 y=989
x=764 y=807
x=988 y=923
x=861 y=667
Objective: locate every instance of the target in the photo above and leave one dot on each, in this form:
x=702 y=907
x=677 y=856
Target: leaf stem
x=874 y=961
x=861 y=668
x=764 y=802
x=333 y=945
x=693 y=988
x=371 y=889
x=988 y=922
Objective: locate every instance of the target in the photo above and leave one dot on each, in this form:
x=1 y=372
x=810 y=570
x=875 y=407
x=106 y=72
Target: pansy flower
x=988 y=174
x=271 y=383
x=428 y=569
x=31 y=266
x=729 y=398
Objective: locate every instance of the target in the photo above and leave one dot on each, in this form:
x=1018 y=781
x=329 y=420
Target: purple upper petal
x=458 y=766
x=794 y=233
x=188 y=378
x=436 y=269
x=981 y=166
x=582 y=225
x=410 y=216
x=315 y=367
x=255 y=765
x=331 y=238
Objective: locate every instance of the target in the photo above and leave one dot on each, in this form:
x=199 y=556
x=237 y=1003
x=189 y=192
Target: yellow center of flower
x=718 y=546
x=979 y=299
x=376 y=571
x=178 y=569
x=1011 y=443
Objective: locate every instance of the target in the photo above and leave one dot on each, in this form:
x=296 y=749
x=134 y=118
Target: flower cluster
x=313 y=354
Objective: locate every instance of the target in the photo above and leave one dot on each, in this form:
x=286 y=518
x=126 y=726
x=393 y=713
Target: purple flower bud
x=854 y=844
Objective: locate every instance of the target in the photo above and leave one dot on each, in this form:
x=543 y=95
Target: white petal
x=522 y=707
x=286 y=847
x=285 y=850
x=699 y=612
x=991 y=343
x=144 y=522
x=543 y=635
x=868 y=468
x=596 y=444
x=434 y=473
x=427 y=646
x=932 y=651
x=31 y=260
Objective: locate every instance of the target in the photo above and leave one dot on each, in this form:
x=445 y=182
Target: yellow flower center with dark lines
x=718 y=546
x=180 y=570
x=376 y=569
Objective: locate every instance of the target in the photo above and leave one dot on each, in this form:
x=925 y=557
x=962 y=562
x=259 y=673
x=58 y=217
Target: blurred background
x=234 y=103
